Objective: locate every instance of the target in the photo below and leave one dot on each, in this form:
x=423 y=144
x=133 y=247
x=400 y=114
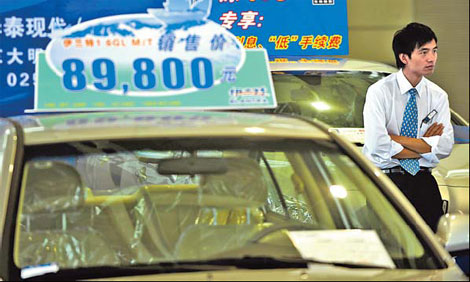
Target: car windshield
x=125 y=203
x=334 y=97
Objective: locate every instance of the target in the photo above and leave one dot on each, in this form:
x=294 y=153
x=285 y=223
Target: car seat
x=234 y=215
x=55 y=227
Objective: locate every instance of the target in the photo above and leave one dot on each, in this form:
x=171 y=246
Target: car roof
x=319 y=63
x=58 y=128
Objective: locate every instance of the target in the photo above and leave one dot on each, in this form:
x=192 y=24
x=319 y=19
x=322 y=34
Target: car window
x=334 y=97
x=461 y=134
x=457 y=120
x=124 y=203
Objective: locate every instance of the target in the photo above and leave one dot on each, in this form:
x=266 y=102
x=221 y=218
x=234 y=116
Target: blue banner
x=285 y=27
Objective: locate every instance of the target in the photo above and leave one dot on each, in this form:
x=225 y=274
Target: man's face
x=423 y=59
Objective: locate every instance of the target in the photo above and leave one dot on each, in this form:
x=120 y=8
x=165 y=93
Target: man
x=407 y=121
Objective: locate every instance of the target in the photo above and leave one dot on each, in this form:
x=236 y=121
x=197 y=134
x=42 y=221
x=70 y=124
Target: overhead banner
x=27 y=27
x=287 y=27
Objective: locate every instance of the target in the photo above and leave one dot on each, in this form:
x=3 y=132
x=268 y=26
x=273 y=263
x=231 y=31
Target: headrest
x=243 y=179
x=51 y=186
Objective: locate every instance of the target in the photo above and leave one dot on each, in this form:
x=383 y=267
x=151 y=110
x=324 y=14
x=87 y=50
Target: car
x=333 y=90
x=202 y=195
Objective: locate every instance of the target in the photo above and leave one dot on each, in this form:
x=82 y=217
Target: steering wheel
x=274 y=228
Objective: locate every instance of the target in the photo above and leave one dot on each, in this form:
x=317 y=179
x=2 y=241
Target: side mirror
x=453 y=232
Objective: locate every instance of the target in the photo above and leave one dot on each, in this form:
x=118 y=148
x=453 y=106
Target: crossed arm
x=413 y=147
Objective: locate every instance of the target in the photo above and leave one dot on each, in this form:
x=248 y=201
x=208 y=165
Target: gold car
x=202 y=196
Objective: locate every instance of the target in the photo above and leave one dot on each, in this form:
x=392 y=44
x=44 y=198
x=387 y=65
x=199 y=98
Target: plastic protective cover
x=66 y=222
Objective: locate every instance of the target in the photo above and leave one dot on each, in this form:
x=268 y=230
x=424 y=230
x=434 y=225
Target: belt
x=399 y=169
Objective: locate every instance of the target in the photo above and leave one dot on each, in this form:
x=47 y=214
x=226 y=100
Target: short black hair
x=412 y=36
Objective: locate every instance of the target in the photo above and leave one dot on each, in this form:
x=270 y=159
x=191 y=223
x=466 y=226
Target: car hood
x=313 y=273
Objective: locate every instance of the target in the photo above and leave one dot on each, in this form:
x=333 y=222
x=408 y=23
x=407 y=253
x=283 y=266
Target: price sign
x=169 y=58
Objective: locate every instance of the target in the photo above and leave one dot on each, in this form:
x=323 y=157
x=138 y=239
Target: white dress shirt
x=383 y=115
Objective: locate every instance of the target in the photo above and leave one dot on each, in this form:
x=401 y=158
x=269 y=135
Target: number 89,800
x=144 y=78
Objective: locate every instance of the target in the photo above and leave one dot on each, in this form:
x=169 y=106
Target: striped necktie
x=409 y=128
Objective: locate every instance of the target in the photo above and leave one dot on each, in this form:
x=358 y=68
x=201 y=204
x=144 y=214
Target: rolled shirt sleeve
x=395 y=149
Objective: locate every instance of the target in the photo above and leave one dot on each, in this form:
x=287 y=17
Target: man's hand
x=436 y=129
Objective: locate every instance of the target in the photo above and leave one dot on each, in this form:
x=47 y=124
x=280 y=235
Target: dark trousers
x=423 y=192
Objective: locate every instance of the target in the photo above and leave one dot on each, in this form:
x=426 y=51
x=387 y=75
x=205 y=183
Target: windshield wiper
x=130 y=270
x=341 y=264
x=260 y=262
x=284 y=262
x=246 y=262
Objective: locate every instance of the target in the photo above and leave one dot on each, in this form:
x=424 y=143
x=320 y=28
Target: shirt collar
x=404 y=85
